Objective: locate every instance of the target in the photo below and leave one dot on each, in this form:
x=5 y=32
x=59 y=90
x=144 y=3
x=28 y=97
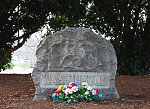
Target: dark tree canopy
x=16 y=15
x=126 y=22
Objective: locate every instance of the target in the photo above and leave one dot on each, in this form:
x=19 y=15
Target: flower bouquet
x=75 y=93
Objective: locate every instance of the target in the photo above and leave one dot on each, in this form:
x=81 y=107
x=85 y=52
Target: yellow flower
x=60 y=87
x=67 y=91
x=86 y=93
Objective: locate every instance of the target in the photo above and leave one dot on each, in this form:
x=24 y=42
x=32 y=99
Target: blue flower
x=81 y=96
x=100 y=95
x=53 y=96
x=76 y=83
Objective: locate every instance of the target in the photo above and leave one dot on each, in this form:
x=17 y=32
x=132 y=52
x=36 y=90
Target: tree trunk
x=147 y=32
x=145 y=53
x=6 y=55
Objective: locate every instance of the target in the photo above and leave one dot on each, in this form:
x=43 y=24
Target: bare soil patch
x=17 y=92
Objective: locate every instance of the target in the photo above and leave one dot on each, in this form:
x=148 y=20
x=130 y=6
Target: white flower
x=67 y=91
x=93 y=92
x=70 y=91
x=74 y=88
x=84 y=84
x=89 y=88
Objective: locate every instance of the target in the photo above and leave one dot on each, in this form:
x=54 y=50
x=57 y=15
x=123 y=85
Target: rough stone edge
x=110 y=93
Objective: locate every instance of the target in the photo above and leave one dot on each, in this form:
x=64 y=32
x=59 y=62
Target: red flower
x=72 y=84
x=70 y=87
x=97 y=91
x=57 y=91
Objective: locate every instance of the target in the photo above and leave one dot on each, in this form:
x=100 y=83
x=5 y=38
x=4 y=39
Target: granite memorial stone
x=75 y=54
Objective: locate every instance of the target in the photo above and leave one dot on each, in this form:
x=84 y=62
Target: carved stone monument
x=75 y=54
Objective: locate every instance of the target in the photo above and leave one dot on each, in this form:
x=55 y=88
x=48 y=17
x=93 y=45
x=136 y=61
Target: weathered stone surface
x=75 y=54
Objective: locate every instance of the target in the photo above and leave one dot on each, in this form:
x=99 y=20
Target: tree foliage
x=129 y=23
x=126 y=22
x=19 y=15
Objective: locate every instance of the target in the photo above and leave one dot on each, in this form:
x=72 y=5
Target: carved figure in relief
x=75 y=54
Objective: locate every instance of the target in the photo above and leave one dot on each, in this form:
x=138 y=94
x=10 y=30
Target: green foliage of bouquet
x=75 y=93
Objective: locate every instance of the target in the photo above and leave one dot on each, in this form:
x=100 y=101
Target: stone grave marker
x=75 y=54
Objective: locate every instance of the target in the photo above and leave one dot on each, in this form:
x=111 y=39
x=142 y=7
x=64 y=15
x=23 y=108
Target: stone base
x=50 y=81
x=110 y=93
